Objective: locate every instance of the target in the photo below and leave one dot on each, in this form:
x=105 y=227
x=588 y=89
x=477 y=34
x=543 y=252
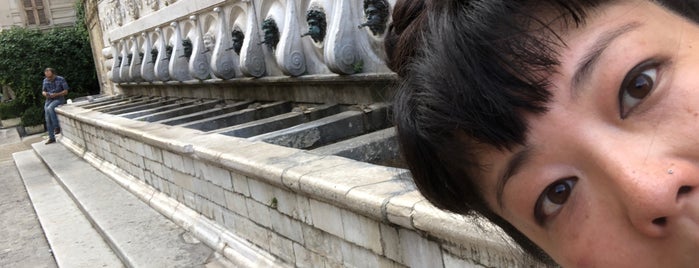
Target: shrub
x=10 y=110
x=33 y=116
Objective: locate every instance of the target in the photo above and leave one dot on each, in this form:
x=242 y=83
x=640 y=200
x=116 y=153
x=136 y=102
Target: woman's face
x=609 y=176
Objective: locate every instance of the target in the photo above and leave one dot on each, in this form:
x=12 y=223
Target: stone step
x=73 y=240
x=139 y=235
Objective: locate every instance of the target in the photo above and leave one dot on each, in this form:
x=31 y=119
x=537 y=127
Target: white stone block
x=172 y=160
x=201 y=187
x=217 y=175
x=189 y=199
x=390 y=242
x=240 y=184
x=302 y=211
x=229 y=219
x=286 y=226
x=236 y=203
x=356 y=256
x=253 y=232
x=183 y=180
x=188 y=166
x=258 y=213
x=362 y=231
x=417 y=251
x=260 y=191
x=322 y=243
x=216 y=194
x=154 y=167
x=281 y=247
x=327 y=218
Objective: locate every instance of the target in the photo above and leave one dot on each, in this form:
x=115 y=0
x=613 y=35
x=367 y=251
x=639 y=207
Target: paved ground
x=22 y=241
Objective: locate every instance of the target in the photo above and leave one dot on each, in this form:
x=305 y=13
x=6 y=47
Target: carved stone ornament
x=271 y=31
x=222 y=61
x=317 y=25
x=148 y=59
x=238 y=37
x=153 y=4
x=376 y=13
x=252 y=58
x=135 y=60
x=199 y=59
x=179 y=61
x=116 y=62
x=289 y=52
x=132 y=8
x=163 y=59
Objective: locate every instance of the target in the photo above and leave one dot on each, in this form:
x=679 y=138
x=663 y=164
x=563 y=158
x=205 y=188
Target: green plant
x=10 y=110
x=358 y=66
x=33 y=116
x=25 y=53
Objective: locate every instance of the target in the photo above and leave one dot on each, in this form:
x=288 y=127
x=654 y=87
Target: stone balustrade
x=213 y=39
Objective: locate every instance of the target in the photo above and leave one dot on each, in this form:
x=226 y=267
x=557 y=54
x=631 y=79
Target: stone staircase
x=91 y=221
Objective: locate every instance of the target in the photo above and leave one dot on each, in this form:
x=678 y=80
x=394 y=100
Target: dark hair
x=52 y=70
x=469 y=73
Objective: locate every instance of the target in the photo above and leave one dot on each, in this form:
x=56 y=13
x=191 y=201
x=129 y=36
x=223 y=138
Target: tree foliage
x=25 y=53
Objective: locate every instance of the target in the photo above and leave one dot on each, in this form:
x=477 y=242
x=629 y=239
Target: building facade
x=43 y=14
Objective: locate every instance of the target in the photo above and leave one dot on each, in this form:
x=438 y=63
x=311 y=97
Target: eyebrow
x=513 y=166
x=591 y=58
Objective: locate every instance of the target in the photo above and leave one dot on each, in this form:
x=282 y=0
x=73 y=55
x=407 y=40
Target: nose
x=652 y=196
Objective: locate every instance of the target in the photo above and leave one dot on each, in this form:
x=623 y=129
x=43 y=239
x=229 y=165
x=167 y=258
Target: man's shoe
x=50 y=141
x=57 y=130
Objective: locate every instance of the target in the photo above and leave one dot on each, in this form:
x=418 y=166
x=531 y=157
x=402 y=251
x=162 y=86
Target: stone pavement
x=22 y=241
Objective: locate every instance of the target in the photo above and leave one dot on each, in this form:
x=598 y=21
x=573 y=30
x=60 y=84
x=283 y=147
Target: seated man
x=54 y=89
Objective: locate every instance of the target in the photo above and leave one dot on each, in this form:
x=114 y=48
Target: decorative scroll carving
x=179 y=63
x=222 y=61
x=317 y=25
x=132 y=8
x=340 y=50
x=153 y=4
x=252 y=57
x=376 y=13
x=290 y=56
x=271 y=31
x=135 y=60
x=199 y=65
x=115 y=73
x=148 y=61
x=124 y=68
x=163 y=60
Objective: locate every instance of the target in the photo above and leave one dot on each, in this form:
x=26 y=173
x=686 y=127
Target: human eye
x=552 y=199
x=637 y=85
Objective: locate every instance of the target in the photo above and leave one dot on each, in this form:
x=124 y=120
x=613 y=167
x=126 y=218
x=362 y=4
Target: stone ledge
x=379 y=193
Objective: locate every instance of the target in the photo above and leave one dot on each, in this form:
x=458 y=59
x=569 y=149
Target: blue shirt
x=57 y=85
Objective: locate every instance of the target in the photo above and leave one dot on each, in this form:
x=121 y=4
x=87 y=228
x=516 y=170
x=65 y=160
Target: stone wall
x=303 y=208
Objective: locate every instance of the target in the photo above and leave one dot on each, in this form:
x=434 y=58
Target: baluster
x=252 y=57
x=340 y=49
x=116 y=63
x=135 y=67
x=222 y=61
x=148 y=59
x=162 y=61
x=124 y=68
x=289 y=52
x=179 y=61
x=199 y=65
